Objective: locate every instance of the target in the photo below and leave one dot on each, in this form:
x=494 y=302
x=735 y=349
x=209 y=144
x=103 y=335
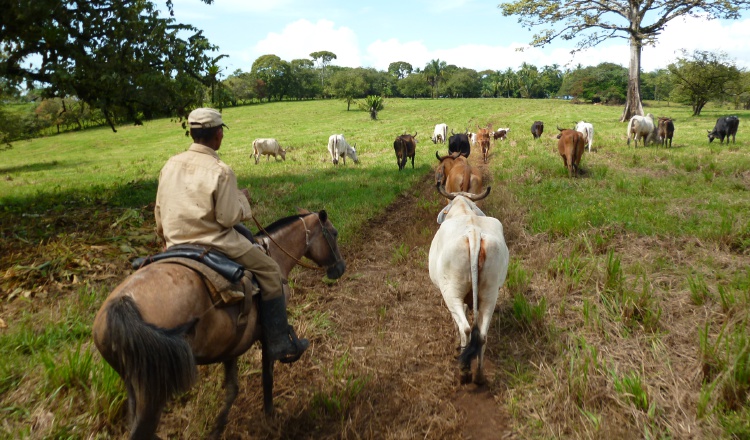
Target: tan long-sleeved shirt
x=198 y=202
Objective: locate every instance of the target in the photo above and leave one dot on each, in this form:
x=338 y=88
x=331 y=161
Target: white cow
x=468 y=255
x=641 y=127
x=338 y=147
x=472 y=138
x=269 y=147
x=587 y=130
x=440 y=134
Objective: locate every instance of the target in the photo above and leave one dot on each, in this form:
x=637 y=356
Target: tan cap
x=205 y=118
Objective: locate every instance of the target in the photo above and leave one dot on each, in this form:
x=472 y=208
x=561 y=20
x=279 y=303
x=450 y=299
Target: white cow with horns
x=340 y=148
x=468 y=263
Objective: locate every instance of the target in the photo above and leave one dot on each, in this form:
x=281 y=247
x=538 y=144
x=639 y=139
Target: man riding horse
x=198 y=202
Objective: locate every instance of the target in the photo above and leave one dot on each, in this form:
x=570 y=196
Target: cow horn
x=415 y=134
x=444 y=193
x=452 y=133
x=437 y=155
x=561 y=129
x=478 y=197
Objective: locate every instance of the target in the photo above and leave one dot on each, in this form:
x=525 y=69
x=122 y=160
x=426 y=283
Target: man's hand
x=246 y=193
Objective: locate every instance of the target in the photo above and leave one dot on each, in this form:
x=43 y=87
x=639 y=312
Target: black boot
x=283 y=344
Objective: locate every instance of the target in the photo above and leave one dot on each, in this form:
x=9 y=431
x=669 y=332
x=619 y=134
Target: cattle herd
x=468 y=259
x=641 y=129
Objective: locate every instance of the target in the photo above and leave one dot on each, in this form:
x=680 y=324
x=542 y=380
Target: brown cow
x=571 y=146
x=405 y=147
x=665 y=131
x=483 y=139
x=456 y=174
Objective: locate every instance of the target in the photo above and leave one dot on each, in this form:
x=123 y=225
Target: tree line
x=694 y=79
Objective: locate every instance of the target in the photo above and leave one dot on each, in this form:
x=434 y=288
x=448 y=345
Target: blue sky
x=467 y=33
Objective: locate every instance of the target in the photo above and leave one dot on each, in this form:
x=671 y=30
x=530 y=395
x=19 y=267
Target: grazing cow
x=537 y=128
x=587 y=130
x=483 y=139
x=665 y=131
x=725 y=127
x=339 y=148
x=406 y=147
x=570 y=146
x=468 y=262
x=269 y=147
x=641 y=127
x=459 y=142
x=440 y=134
x=500 y=133
x=456 y=174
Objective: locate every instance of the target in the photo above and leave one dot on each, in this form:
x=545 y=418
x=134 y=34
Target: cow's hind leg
x=232 y=388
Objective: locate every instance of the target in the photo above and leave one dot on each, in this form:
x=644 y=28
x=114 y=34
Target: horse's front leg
x=232 y=388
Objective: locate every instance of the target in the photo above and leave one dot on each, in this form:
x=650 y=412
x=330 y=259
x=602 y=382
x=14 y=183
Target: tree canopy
x=118 y=56
x=701 y=77
x=592 y=22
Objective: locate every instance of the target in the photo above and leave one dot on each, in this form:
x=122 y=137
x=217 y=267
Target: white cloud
x=300 y=38
x=691 y=33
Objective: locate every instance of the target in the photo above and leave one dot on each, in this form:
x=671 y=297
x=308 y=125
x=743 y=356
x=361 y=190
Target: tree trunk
x=633 y=106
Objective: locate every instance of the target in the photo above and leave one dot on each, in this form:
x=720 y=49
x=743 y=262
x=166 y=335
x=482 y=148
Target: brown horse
x=160 y=322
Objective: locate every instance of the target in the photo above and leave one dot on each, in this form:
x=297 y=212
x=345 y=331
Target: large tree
x=400 y=69
x=322 y=59
x=275 y=74
x=701 y=77
x=348 y=85
x=119 y=56
x=592 y=22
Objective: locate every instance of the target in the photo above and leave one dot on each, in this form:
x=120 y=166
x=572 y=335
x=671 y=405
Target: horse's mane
x=280 y=223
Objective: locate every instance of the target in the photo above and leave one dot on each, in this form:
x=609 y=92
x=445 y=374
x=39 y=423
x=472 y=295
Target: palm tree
x=434 y=71
x=508 y=81
x=213 y=75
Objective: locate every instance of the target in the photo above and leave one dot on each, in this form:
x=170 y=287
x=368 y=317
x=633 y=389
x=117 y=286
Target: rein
x=307 y=243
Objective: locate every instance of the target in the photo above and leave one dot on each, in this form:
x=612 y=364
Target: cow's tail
x=474 y=346
x=630 y=130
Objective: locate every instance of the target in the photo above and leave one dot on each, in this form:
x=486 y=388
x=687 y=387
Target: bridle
x=326 y=234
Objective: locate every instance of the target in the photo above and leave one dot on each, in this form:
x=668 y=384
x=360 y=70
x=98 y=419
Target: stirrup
x=300 y=345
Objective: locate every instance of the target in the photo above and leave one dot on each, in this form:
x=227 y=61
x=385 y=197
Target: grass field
x=629 y=286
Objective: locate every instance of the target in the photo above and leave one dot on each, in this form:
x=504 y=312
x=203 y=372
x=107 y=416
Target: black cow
x=405 y=147
x=537 y=128
x=665 y=131
x=725 y=126
x=459 y=143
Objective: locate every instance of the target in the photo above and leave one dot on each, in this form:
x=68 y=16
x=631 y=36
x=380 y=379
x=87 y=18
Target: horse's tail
x=157 y=362
x=474 y=346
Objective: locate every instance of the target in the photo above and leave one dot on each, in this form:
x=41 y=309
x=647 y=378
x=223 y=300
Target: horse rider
x=198 y=202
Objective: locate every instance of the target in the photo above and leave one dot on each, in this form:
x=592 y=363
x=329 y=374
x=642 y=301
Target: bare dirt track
x=386 y=366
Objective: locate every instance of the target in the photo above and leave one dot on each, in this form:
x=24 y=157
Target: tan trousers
x=266 y=271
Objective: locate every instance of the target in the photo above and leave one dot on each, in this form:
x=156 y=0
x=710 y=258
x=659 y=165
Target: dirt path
x=390 y=369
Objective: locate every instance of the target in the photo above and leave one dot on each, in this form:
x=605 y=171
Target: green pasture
x=688 y=189
x=586 y=294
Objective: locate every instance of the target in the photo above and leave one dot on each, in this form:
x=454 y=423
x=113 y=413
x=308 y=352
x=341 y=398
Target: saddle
x=228 y=282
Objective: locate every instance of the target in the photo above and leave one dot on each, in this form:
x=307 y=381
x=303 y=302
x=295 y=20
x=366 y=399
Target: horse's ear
x=302 y=211
x=323 y=215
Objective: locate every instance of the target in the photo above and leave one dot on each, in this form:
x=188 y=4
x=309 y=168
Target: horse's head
x=322 y=246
